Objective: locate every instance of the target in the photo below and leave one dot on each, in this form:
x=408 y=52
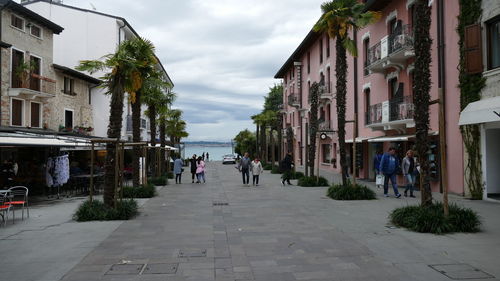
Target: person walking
x=256 y=171
x=409 y=167
x=208 y=157
x=203 y=156
x=286 y=167
x=389 y=166
x=200 y=170
x=244 y=168
x=376 y=166
x=178 y=169
x=192 y=163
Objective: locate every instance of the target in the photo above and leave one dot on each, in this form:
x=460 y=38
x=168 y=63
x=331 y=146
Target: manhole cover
x=461 y=271
x=221 y=204
x=125 y=269
x=192 y=253
x=161 y=268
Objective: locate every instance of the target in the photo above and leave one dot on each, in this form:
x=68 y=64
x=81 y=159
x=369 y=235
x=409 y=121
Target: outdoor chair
x=19 y=197
x=5 y=207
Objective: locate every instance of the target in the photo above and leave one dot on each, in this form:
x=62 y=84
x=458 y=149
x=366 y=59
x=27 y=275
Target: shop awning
x=37 y=140
x=391 y=138
x=358 y=140
x=482 y=111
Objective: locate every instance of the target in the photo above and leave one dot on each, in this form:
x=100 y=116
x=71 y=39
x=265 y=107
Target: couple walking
x=197 y=169
x=246 y=165
x=388 y=165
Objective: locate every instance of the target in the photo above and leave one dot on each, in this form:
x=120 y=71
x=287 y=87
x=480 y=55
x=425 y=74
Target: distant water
x=215 y=152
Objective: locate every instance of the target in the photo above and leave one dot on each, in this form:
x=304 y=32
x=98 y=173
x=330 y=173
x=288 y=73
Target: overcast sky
x=221 y=54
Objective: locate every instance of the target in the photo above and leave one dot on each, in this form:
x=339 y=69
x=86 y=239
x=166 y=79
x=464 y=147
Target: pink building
x=380 y=88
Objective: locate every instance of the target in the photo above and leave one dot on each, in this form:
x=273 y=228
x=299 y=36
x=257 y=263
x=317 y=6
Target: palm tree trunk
x=273 y=151
x=163 y=143
x=136 y=137
x=341 y=72
x=421 y=98
x=152 y=122
x=114 y=132
x=263 y=143
x=257 y=140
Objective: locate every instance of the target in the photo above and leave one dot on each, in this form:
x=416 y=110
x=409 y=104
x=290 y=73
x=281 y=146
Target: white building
x=90 y=35
x=486 y=112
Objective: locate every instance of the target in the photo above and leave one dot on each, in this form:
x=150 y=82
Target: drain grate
x=125 y=269
x=161 y=268
x=193 y=253
x=221 y=204
x=461 y=271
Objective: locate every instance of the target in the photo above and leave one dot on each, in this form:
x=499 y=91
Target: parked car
x=229 y=159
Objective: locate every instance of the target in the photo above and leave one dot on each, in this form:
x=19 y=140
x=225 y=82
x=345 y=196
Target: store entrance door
x=492 y=163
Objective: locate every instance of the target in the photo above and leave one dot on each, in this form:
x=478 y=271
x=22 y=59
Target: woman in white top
x=257 y=169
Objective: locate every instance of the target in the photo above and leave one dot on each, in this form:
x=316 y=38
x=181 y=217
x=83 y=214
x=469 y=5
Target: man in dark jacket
x=286 y=168
x=244 y=168
x=192 y=162
x=389 y=165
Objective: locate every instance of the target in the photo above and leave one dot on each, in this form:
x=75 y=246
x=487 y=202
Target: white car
x=229 y=159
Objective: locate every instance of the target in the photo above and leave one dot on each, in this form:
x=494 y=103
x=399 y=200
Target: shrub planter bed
x=147 y=191
x=97 y=211
x=432 y=220
x=312 y=181
x=159 y=181
x=350 y=192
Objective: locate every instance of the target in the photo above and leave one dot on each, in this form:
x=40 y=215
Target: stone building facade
x=28 y=78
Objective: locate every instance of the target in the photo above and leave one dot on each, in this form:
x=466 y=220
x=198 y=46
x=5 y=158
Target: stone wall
x=491 y=9
x=79 y=103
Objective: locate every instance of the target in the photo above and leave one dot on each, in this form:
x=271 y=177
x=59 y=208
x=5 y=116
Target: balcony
x=326 y=91
x=324 y=126
x=392 y=51
x=281 y=108
x=294 y=100
x=394 y=114
x=32 y=87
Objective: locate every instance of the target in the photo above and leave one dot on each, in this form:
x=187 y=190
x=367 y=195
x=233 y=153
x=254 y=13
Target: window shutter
x=473 y=49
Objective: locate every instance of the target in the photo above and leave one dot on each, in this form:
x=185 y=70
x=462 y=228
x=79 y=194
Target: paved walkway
x=223 y=230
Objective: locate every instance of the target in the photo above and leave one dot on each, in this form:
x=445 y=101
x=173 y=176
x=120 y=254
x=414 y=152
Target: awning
x=37 y=140
x=391 y=138
x=482 y=111
x=358 y=140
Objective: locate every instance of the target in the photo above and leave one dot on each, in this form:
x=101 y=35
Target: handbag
x=379 y=180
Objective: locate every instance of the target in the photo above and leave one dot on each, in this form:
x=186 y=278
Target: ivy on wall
x=470 y=91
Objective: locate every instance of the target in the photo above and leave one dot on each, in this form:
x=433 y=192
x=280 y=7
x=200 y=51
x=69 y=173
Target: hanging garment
x=48 y=172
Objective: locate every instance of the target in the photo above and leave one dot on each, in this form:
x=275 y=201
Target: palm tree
x=122 y=75
x=339 y=18
x=144 y=51
x=156 y=93
x=421 y=97
x=176 y=127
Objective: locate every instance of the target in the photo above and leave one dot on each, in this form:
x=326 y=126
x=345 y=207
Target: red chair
x=19 y=197
x=5 y=207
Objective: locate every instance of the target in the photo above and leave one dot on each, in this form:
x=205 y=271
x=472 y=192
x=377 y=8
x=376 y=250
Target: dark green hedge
x=350 y=192
x=97 y=211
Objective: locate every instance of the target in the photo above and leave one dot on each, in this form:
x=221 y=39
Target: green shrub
x=350 y=192
x=267 y=166
x=98 y=211
x=159 y=181
x=431 y=219
x=170 y=175
x=147 y=191
x=313 y=181
x=275 y=170
x=296 y=175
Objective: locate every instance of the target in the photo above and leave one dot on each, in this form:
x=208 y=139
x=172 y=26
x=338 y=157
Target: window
x=35 y=81
x=329 y=79
x=327 y=40
x=17 y=112
x=17 y=22
x=494 y=43
x=36 y=31
x=143 y=123
x=393 y=88
x=308 y=62
x=36 y=114
x=321 y=51
x=16 y=73
x=367 y=100
x=69 y=86
x=68 y=118
x=366 y=44
x=327 y=156
x=473 y=49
